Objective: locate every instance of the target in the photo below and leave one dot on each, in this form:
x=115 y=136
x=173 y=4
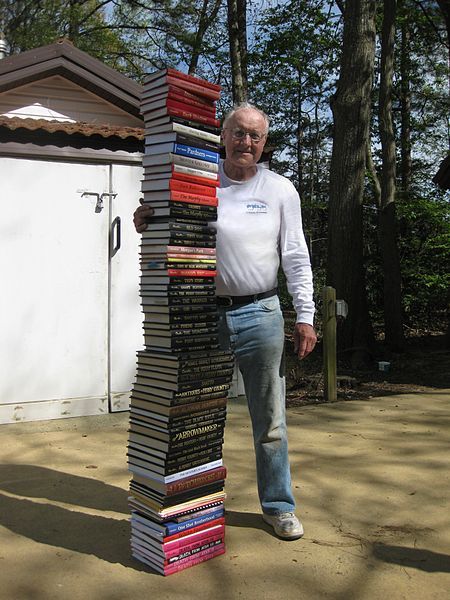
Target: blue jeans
x=255 y=332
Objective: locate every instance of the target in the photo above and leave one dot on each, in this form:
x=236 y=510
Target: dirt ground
x=371 y=477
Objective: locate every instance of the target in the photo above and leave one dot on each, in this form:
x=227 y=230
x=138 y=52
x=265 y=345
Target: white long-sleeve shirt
x=258 y=222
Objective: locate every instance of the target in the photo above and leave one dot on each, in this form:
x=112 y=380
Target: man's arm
x=297 y=268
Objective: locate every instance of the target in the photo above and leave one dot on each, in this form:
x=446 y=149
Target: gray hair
x=243 y=106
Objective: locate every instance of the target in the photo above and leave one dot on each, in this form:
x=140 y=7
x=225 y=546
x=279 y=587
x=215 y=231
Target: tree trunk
x=203 y=25
x=237 y=31
x=393 y=320
x=351 y=111
x=405 y=105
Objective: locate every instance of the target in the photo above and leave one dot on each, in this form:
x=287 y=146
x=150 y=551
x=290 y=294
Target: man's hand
x=304 y=339
x=141 y=216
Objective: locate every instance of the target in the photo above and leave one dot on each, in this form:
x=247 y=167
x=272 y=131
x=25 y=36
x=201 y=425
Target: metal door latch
x=99 y=203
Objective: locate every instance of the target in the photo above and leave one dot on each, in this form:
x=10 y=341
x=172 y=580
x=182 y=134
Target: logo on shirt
x=256 y=207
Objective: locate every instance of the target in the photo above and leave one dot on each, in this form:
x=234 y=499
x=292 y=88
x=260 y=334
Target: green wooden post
x=329 y=344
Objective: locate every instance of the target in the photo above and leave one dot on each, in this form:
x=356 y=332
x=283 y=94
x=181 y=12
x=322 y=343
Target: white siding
x=60 y=99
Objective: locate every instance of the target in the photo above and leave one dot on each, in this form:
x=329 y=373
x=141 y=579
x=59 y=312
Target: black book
x=180 y=333
x=146 y=290
x=180 y=138
x=180 y=287
x=202 y=448
x=185 y=209
x=157 y=244
x=176 y=237
x=166 y=121
x=170 y=469
x=188 y=373
x=174 y=378
x=181 y=360
x=174 y=423
x=180 y=225
x=182 y=326
x=179 y=386
x=179 y=263
x=167 y=413
x=174 y=499
x=147 y=393
x=151 y=299
x=188 y=342
x=180 y=319
x=212 y=438
x=173 y=396
x=177 y=449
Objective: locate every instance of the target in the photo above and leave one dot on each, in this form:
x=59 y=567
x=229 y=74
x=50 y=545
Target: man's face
x=243 y=152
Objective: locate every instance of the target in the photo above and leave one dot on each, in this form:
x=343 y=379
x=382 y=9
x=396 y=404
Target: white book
x=176 y=476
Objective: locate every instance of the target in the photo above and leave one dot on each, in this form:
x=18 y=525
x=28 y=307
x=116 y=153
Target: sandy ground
x=372 y=481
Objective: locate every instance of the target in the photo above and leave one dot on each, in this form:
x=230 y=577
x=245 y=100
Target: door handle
x=115 y=237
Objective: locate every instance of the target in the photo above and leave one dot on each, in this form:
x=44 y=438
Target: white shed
x=71 y=143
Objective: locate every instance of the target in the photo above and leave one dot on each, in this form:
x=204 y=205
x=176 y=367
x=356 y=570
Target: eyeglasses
x=240 y=134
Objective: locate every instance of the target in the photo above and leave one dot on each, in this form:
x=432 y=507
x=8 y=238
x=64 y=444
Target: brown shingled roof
x=85 y=129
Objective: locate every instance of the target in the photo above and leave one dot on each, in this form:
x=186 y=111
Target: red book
x=192 y=188
x=183 y=552
x=183 y=111
x=201 y=106
x=195 y=179
x=170 y=72
x=180 y=534
x=169 y=90
x=174 y=547
x=176 y=196
x=168 y=99
x=190 y=561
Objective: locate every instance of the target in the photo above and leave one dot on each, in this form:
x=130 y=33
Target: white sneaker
x=286 y=525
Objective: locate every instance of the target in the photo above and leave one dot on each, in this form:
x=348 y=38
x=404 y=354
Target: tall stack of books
x=178 y=402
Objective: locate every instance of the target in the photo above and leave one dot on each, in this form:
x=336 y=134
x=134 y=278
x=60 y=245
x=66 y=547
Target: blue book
x=193 y=152
x=166 y=528
x=183 y=150
x=174 y=527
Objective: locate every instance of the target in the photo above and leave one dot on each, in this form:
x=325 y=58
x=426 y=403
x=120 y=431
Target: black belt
x=234 y=300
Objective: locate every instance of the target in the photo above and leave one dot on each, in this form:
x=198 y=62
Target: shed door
x=54 y=290
x=125 y=311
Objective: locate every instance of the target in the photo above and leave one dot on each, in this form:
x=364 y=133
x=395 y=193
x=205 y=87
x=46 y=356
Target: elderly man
x=259 y=223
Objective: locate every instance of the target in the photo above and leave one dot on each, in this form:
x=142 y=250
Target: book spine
x=195 y=152
x=196 y=179
x=204 y=135
x=176 y=550
x=196 y=481
x=191 y=250
x=176 y=90
x=179 y=474
x=190 y=273
x=194 y=163
x=176 y=536
x=193 y=79
x=179 y=110
x=182 y=196
x=194 y=87
x=176 y=185
x=211 y=176
x=195 y=560
x=185 y=526
x=183 y=97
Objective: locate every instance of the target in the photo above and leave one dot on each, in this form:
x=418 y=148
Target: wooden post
x=329 y=344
